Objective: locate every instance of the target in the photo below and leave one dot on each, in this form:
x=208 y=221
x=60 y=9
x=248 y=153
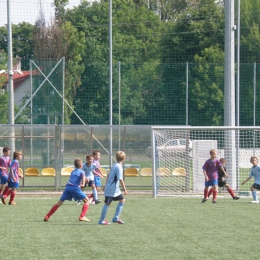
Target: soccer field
x=162 y=228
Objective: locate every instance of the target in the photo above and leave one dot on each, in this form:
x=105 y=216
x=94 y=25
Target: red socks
x=84 y=210
x=231 y=192
x=91 y=196
x=5 y=191
x=12 y=196
x=205 y=193
x=53 y=209
x=215 y=192
x=210 y=192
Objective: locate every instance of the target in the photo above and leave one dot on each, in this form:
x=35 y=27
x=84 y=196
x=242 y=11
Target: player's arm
x=223 y=170
x=13 y=175
x=83 y=179
x=96 y=173
x=205 y=175
x=246 y=180
x=106 y=182
x=123 y=185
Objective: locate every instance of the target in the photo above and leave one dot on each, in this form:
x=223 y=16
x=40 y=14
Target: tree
x=206 y=81
x=197 y=28
x=56 y=41
x=22 y=42
x=134 y=42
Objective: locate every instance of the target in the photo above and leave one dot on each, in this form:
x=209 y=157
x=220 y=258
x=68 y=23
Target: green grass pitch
x=162 y=228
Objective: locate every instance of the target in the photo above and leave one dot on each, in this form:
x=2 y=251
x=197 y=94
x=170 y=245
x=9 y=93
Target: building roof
x=18 y=77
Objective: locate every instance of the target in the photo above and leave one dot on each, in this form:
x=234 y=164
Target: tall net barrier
x=179 y=154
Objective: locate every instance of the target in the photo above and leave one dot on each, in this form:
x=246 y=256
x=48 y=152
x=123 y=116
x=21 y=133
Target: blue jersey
x=14 y=168
x=255 y=172
x=88 y=170
x=112 y=185
x=76 y=177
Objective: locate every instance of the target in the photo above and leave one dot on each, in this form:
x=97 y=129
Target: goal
x=178 y=154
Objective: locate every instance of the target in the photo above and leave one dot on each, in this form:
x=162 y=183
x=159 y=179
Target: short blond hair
x=212 y=151
x=120 y=156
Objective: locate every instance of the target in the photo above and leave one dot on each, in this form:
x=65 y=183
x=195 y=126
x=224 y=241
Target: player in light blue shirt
x=254 y=172
x=89 y=167
x=112 y=191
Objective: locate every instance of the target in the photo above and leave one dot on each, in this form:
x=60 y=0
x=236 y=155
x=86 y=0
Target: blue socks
x=119 y=208
x=103 y=213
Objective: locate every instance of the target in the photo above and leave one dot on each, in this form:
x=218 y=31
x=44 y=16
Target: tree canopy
x=157 y=46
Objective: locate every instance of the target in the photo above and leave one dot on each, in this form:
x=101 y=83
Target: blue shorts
x=13 y=184
x=4 y=179
x=72 y=192
x=211 y=183
x=109 y=199
x=97 y=180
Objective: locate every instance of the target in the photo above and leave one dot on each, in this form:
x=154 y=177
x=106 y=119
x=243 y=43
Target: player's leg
x=82 y=189
x=84 y=210
x=104 y=210
x=210 y=192
x=206 y=191
x=215 y=190
x=52 y=210
x=119 y=209
x=12 y=196
x=231 y=192
x=1 y=187
x=94 y=191
x=253 y=191
x=6 y=191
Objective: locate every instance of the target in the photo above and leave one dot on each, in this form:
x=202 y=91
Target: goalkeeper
x=222 y=182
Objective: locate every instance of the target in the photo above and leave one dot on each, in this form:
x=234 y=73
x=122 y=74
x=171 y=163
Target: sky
x=28 y=10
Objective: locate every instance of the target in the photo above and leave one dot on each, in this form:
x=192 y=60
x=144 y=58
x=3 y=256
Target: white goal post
x=179 y=152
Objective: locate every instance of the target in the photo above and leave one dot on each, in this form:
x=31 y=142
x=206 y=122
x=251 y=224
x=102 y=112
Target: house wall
x=22 y=91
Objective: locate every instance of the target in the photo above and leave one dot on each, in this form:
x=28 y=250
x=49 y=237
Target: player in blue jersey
x=73 y=191
x=255 y=171
x=89 y=167
x=210 y=171
x=13 y=178
x=5 y=162
x=112 y=191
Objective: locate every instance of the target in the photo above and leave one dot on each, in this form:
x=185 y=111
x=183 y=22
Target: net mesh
x=179 y=156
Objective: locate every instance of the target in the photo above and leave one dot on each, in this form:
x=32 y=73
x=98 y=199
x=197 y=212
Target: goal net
x=178 y=154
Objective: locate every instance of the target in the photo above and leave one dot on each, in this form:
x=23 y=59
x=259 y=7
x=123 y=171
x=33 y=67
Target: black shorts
x=256 y=186
x=108 y=199
x=221 y=183
x=89 y=183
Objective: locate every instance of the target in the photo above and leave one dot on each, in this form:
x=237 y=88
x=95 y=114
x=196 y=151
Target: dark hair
x=6 y=149
x=16 y=154
x=89 y=156
x=95 y=152
x=77 y=163
x=222 y=160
